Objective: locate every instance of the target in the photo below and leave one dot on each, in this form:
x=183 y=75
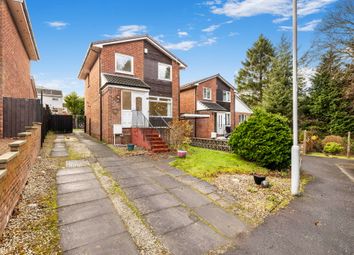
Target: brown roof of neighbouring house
x=212 y=106
x=122 y=80
x=49 y=92
x=196 y=83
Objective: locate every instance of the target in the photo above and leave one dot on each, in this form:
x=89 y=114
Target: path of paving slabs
x=59 y=149
x=186 y=220
x=88 y=221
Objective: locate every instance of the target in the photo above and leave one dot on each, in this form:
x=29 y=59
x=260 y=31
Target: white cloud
x=280 y=20
x=212 y=2
x=57 y=24
x=182 y=33
x=184 y=45
x=231 y=34
x=159 y=38
x=308 y=27
x=307 y=73
x=282 y=8
x=128 y=30
x=211 y=28
x=209 y=41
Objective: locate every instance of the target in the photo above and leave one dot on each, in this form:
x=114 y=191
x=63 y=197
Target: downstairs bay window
x=160 y=107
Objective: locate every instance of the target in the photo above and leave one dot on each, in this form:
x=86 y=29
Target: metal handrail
x=145 y=119
x=160 y=116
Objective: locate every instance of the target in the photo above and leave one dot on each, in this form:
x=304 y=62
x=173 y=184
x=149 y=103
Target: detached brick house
x=210 y=104
x=17 y=49
x=131 y=85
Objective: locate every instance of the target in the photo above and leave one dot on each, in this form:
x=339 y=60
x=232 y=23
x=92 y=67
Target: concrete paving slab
x=172 y=171
x=83 y=211
x=193 y=239
x=150 y=171
x=167 y=220
x=80 y=197
x=58 y=149
x=167 y=181
x=76 y=163
x=121 y=244
x=188 y=179
x=89 y=231
x=75 y=177
x=227 y=223
x=78 y=170
x=78 y=186
x=156 y=202
x=126 y=173
x=143 y=191
x=59 y=154
x=143 y=164
x=190 y=197
x=132 y=181
x=204 y=187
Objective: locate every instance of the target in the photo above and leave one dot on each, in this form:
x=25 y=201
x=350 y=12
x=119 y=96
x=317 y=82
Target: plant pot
x=258 y=179
x=130 y=147
x=181 y=154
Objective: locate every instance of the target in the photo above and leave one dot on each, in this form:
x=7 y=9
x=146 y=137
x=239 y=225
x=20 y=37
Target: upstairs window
x=124 y=63
x=164 y=72
x=226 y=96
x=207 y=93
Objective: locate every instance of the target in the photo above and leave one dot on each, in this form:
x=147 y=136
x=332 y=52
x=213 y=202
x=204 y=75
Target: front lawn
x=204 y=164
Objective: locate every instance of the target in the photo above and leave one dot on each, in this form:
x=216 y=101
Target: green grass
x=320 y=154
x=204 y=163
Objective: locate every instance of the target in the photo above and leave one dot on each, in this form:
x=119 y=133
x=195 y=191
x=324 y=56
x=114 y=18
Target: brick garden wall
x=14 y=170
x=213 y=144
x=15 y=78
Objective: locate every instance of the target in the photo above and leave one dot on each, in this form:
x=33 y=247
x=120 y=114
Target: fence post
x=304 y=145
x=348 y=146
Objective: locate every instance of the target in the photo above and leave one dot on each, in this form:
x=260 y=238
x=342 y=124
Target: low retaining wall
x=213 y=144
x=14 y=170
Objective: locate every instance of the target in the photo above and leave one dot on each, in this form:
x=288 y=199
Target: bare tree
x=336 y=32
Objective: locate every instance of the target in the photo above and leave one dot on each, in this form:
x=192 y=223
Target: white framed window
x=206 y=93
x=124 y=63
x=164 y=72
x=242 y=118
x=226 y=96
x=160 y=107
x=227 y=119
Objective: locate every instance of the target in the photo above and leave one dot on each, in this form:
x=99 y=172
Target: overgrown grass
x=320 y=154
x=123 y=151
x=204 y=163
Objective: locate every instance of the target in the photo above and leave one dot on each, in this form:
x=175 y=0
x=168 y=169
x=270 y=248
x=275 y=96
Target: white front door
x=220 y=123
x=135 y=108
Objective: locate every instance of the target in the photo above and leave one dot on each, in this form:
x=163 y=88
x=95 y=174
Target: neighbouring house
x=53 y=98
x=131 y=90
x=209 y=104
x=242 y=111
x=17 y=49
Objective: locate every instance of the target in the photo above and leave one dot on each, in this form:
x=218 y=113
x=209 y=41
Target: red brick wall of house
x=188 y=101
x=92 y=101
x=237 y=117
x=17 y=170
x=111 y=112
x=175 y=90
x=15 y=78
x=204 y=126
x=209 y=84
x=134 y=49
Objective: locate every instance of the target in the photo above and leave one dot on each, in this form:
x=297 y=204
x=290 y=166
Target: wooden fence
x=19 y=113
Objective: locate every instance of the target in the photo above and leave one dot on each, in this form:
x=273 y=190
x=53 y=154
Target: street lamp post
x=295 y=150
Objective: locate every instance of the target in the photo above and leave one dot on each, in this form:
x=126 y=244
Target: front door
x=135 y=108
x=220 y=123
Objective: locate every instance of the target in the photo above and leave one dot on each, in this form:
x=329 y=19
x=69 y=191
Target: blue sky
x=210 y=36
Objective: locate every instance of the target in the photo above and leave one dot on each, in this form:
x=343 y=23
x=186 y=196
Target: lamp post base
x=295 y=170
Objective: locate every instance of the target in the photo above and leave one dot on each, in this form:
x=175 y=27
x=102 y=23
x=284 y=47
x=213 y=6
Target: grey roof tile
x=122 y=80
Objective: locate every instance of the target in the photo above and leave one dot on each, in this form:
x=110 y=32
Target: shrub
x=332 y=148
x=333 y=138
x=264 y=138
x=313 y=142
x=180 y=134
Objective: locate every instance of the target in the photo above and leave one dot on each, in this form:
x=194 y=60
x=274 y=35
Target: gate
x=61 y=123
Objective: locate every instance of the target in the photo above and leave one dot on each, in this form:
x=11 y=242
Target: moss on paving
x=204 y=163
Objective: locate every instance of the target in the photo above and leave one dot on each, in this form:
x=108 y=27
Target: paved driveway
x=319 y=222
